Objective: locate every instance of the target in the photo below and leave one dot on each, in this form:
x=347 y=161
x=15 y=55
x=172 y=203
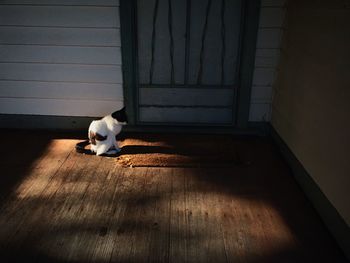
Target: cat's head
x=120 y=116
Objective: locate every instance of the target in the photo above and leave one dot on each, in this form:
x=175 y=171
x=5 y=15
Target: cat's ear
x=120 y=115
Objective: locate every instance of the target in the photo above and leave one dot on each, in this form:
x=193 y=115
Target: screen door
x=188 y=54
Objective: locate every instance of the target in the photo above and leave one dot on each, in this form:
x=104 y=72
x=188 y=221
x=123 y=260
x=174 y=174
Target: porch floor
x=61 y=206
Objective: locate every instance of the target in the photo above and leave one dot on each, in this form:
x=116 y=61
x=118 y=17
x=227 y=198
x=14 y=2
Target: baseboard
x=330 y=216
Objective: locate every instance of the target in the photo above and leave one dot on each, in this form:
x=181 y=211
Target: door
x=187 y=60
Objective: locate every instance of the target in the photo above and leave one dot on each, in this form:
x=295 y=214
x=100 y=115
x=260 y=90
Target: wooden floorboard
x=61 y=206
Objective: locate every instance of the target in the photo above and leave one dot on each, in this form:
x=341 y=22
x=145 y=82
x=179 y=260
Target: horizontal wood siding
x=60 y=90
x=60 y=57
x=57 y=107
x=59 y=16
x=266 y=59
x=62 y=2
x=60 y=72
x=43 y=36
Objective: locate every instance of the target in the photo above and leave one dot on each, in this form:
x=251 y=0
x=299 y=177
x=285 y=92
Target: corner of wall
x=268 y=49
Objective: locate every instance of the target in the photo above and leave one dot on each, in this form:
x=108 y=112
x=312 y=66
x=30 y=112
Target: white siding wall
x=267 y=56
x=60 y=57
x=63 y=57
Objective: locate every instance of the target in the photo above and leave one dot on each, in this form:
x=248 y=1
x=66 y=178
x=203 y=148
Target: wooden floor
x=60 y=206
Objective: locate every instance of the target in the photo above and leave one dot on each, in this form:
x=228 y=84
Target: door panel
x=188 y=55
x=189 y=115
x=185 y=97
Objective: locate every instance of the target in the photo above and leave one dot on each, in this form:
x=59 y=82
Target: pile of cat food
x=174 y=150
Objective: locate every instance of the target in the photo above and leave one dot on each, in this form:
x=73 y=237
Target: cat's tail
x=80 y=147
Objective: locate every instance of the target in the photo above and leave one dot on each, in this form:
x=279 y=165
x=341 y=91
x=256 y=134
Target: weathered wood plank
x=260 y=111
x=267 y=58
x=160 y=232
x=272 y=17
x=64 y=72
x=145 y=205
x=85 y=234
x=62 y=2
x=261 y=94
x=263 y=76
x=101 y=37
x=26 y=209
x=178 y=241
x=104 y=244
x=61 y=90
x=61 y=55
x=269 y=38
x=196 y=231
x=211 y=211
x=59 y=16
x=279 y=3
x=42 y=170
x=63 y=217
x=58 y=107
x=124 y=215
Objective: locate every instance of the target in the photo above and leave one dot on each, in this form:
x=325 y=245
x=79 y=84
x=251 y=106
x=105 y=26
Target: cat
x=102 y=133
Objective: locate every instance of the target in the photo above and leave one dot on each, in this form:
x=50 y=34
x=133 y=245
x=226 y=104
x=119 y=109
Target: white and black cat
x=102 y=133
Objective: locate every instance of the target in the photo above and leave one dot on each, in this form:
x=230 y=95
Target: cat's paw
x=110 y=152
x=113 y=151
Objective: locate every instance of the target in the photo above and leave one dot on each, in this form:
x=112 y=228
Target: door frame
x=128 y=27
